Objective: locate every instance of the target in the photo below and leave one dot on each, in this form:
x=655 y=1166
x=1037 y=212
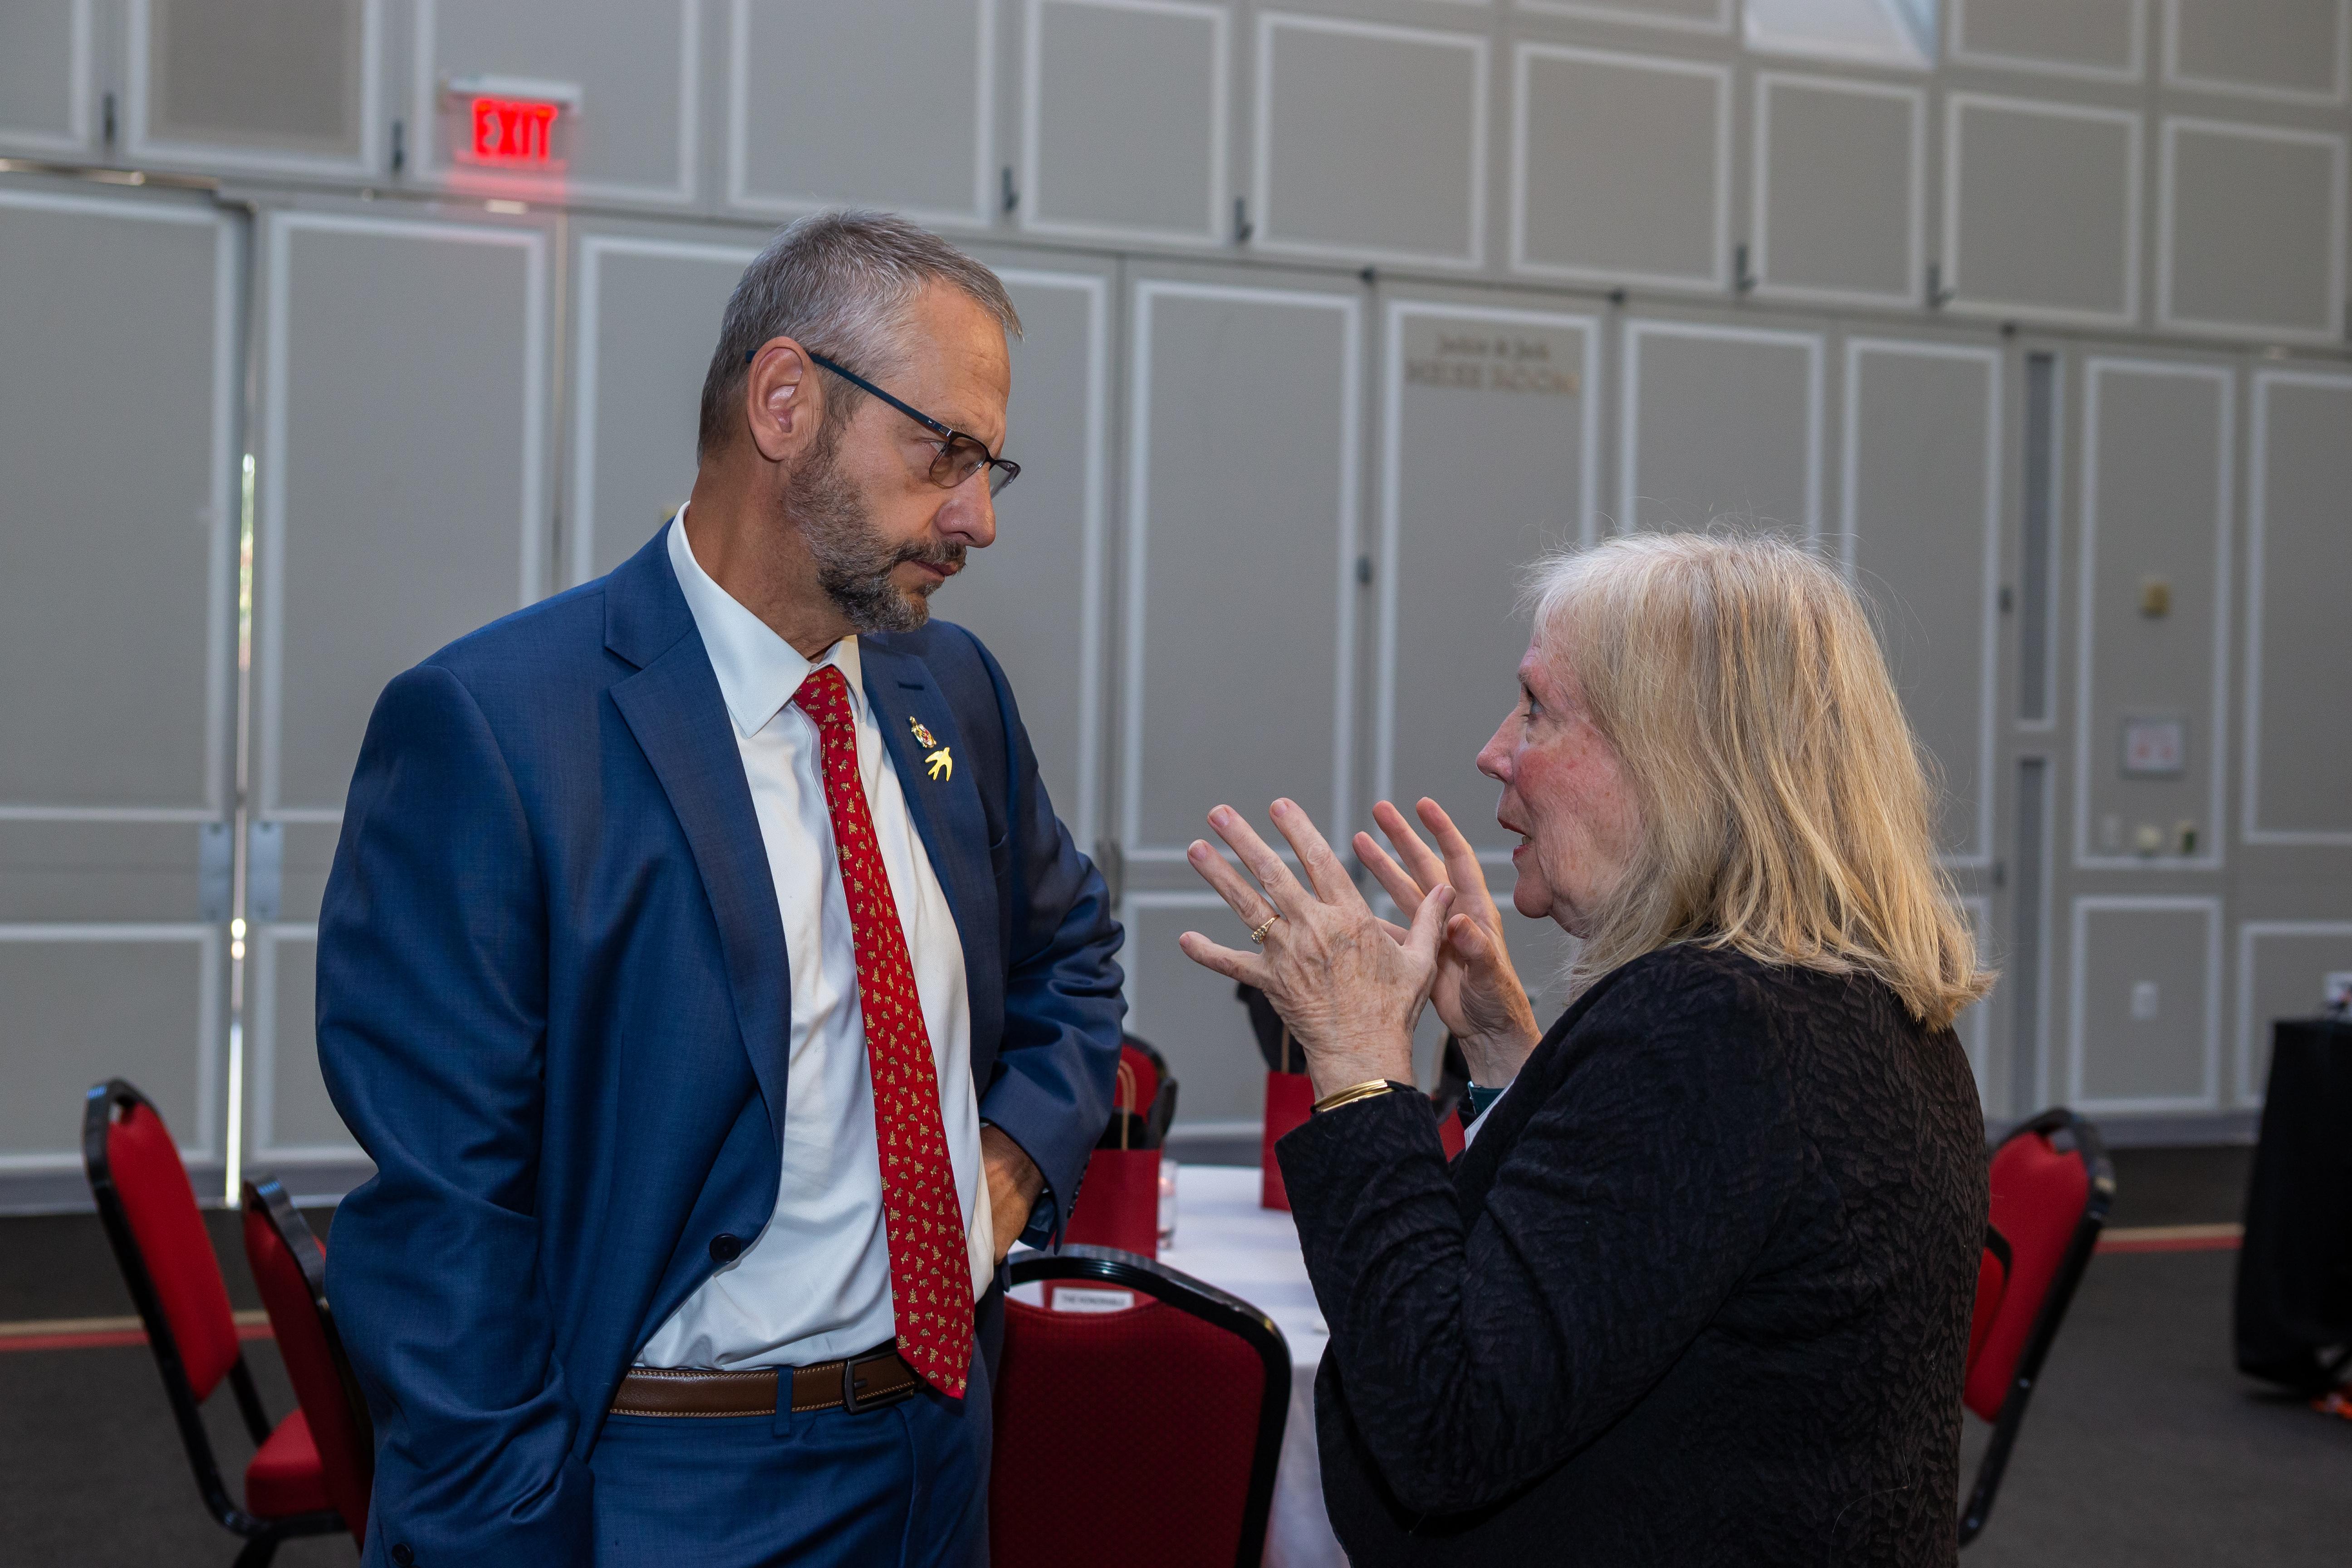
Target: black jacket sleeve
x=1635 y=1195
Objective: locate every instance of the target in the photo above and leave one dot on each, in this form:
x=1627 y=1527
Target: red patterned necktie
x=930 y=1255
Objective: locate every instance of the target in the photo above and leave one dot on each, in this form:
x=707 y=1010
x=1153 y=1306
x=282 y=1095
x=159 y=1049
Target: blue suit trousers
x=902 y=1487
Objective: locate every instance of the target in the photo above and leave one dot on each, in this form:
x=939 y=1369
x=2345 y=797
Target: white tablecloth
x=1223 y=1238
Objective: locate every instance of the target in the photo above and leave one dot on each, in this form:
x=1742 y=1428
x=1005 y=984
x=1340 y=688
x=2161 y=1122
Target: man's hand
x=1013 y=1184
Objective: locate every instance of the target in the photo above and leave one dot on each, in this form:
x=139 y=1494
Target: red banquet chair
x=149 y=1214
x=2052 y=1186
x=291 y=1268
x=1189 y=1388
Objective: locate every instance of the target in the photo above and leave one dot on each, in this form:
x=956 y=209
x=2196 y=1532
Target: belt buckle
x=849 y=1382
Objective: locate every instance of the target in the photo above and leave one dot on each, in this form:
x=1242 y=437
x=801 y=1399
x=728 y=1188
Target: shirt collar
x=758 y=670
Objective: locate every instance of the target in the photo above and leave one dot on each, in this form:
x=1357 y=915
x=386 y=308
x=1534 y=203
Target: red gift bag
x=1289 y=1100
x=1118 y=1204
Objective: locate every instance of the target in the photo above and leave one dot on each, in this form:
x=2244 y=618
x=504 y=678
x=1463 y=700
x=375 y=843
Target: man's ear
x=784 y=400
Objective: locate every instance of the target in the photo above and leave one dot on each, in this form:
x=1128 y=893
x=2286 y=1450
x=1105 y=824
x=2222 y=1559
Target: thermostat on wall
x=2156 y=745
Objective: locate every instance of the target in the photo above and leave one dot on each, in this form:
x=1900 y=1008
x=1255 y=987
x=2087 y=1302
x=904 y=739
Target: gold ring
x=1258 y=934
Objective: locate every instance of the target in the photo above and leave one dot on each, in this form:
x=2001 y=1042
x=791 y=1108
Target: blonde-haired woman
x=1698 y=1290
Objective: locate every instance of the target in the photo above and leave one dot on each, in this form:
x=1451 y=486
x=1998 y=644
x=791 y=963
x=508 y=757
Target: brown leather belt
x=861 y=1382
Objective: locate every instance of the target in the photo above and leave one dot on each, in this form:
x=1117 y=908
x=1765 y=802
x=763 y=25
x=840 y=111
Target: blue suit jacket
x=553 y=1007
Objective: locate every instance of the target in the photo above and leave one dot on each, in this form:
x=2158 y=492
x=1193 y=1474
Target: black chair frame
x=1077 y=1263
x=2065 y=1128
x=270 y=1196
x=261 y=1535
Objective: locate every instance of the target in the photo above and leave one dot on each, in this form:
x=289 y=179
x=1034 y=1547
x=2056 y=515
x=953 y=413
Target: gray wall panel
x=1189 y=1012
x=2042 y=209
x=1923 y=517
x=113 y=572
x=2093 y=39
x=1242 y=523
x=633 y=135
x=2283 y=969
x=649 y=315
x=1685 y=16
x=292 y=1117
x=2156 y=505
x=1372 y=140
x=1840 y=178
x=1719 y=422
x=1489 y=459
x=2288 y=49
x=1620 y=167
x=1124 y=129
x=806 y=126
x=1036 y=595
x=2298 y=744
x=2145 y=1027
x=288 y=86
x=44 y=75
x=401 y=510
x=2251 y=231
x=86 y=1004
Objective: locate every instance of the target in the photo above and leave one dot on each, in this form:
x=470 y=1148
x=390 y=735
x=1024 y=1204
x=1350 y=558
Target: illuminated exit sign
x=513 y=130
x=510 y=119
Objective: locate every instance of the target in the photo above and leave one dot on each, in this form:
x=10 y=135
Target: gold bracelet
x=1352 y=1093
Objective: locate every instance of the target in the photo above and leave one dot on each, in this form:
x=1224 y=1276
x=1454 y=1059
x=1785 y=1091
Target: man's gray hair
x=842 y=284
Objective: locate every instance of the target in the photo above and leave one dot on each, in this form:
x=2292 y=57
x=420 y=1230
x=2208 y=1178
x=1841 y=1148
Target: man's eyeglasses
x=959 y=459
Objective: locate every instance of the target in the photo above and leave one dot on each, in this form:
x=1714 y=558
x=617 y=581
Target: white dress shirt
x=815 y=1284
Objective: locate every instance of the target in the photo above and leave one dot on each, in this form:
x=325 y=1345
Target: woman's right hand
x=1477 y=992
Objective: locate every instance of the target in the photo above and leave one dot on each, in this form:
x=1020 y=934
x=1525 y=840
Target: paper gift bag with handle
x=1118 y=1204
x=1289 y=1098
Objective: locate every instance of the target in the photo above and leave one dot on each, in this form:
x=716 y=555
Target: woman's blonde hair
x=1786 y=807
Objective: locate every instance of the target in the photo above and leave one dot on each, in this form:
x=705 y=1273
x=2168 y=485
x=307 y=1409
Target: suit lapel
x=942 y=798
x=673 y=707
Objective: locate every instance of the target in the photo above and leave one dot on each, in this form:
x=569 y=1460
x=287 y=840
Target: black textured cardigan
x=1698 y=1293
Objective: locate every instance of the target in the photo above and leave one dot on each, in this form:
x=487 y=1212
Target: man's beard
x=853 y=562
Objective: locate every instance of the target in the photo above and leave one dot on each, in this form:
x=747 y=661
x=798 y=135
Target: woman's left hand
x=1350 y=993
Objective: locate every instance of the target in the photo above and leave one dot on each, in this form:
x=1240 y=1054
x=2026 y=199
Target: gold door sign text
x=1477 y=362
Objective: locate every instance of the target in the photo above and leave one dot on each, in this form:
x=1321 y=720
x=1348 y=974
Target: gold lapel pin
x=942 y=765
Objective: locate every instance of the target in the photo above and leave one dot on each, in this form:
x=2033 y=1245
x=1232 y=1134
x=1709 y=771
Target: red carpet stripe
x=102 y=1333
x=2172 y=1238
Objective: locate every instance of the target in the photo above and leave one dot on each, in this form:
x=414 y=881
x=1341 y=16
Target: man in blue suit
x=707 y=974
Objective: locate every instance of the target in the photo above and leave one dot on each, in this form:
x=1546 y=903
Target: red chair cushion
x=161 y=1207
x=2038 y=1193
x=1121 y=1436
x=1992 y=1281
x=339 y=1445
x=284 y=1476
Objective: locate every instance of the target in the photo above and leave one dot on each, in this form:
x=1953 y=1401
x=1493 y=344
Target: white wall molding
x=2250 y=932
x=75 y=140
x=1599 y=11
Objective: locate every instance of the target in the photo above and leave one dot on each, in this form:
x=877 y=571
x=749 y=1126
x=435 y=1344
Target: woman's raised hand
x=1349 y=985
x=1476 y=992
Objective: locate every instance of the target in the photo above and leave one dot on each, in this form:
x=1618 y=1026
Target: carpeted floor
x=2142 y=1447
